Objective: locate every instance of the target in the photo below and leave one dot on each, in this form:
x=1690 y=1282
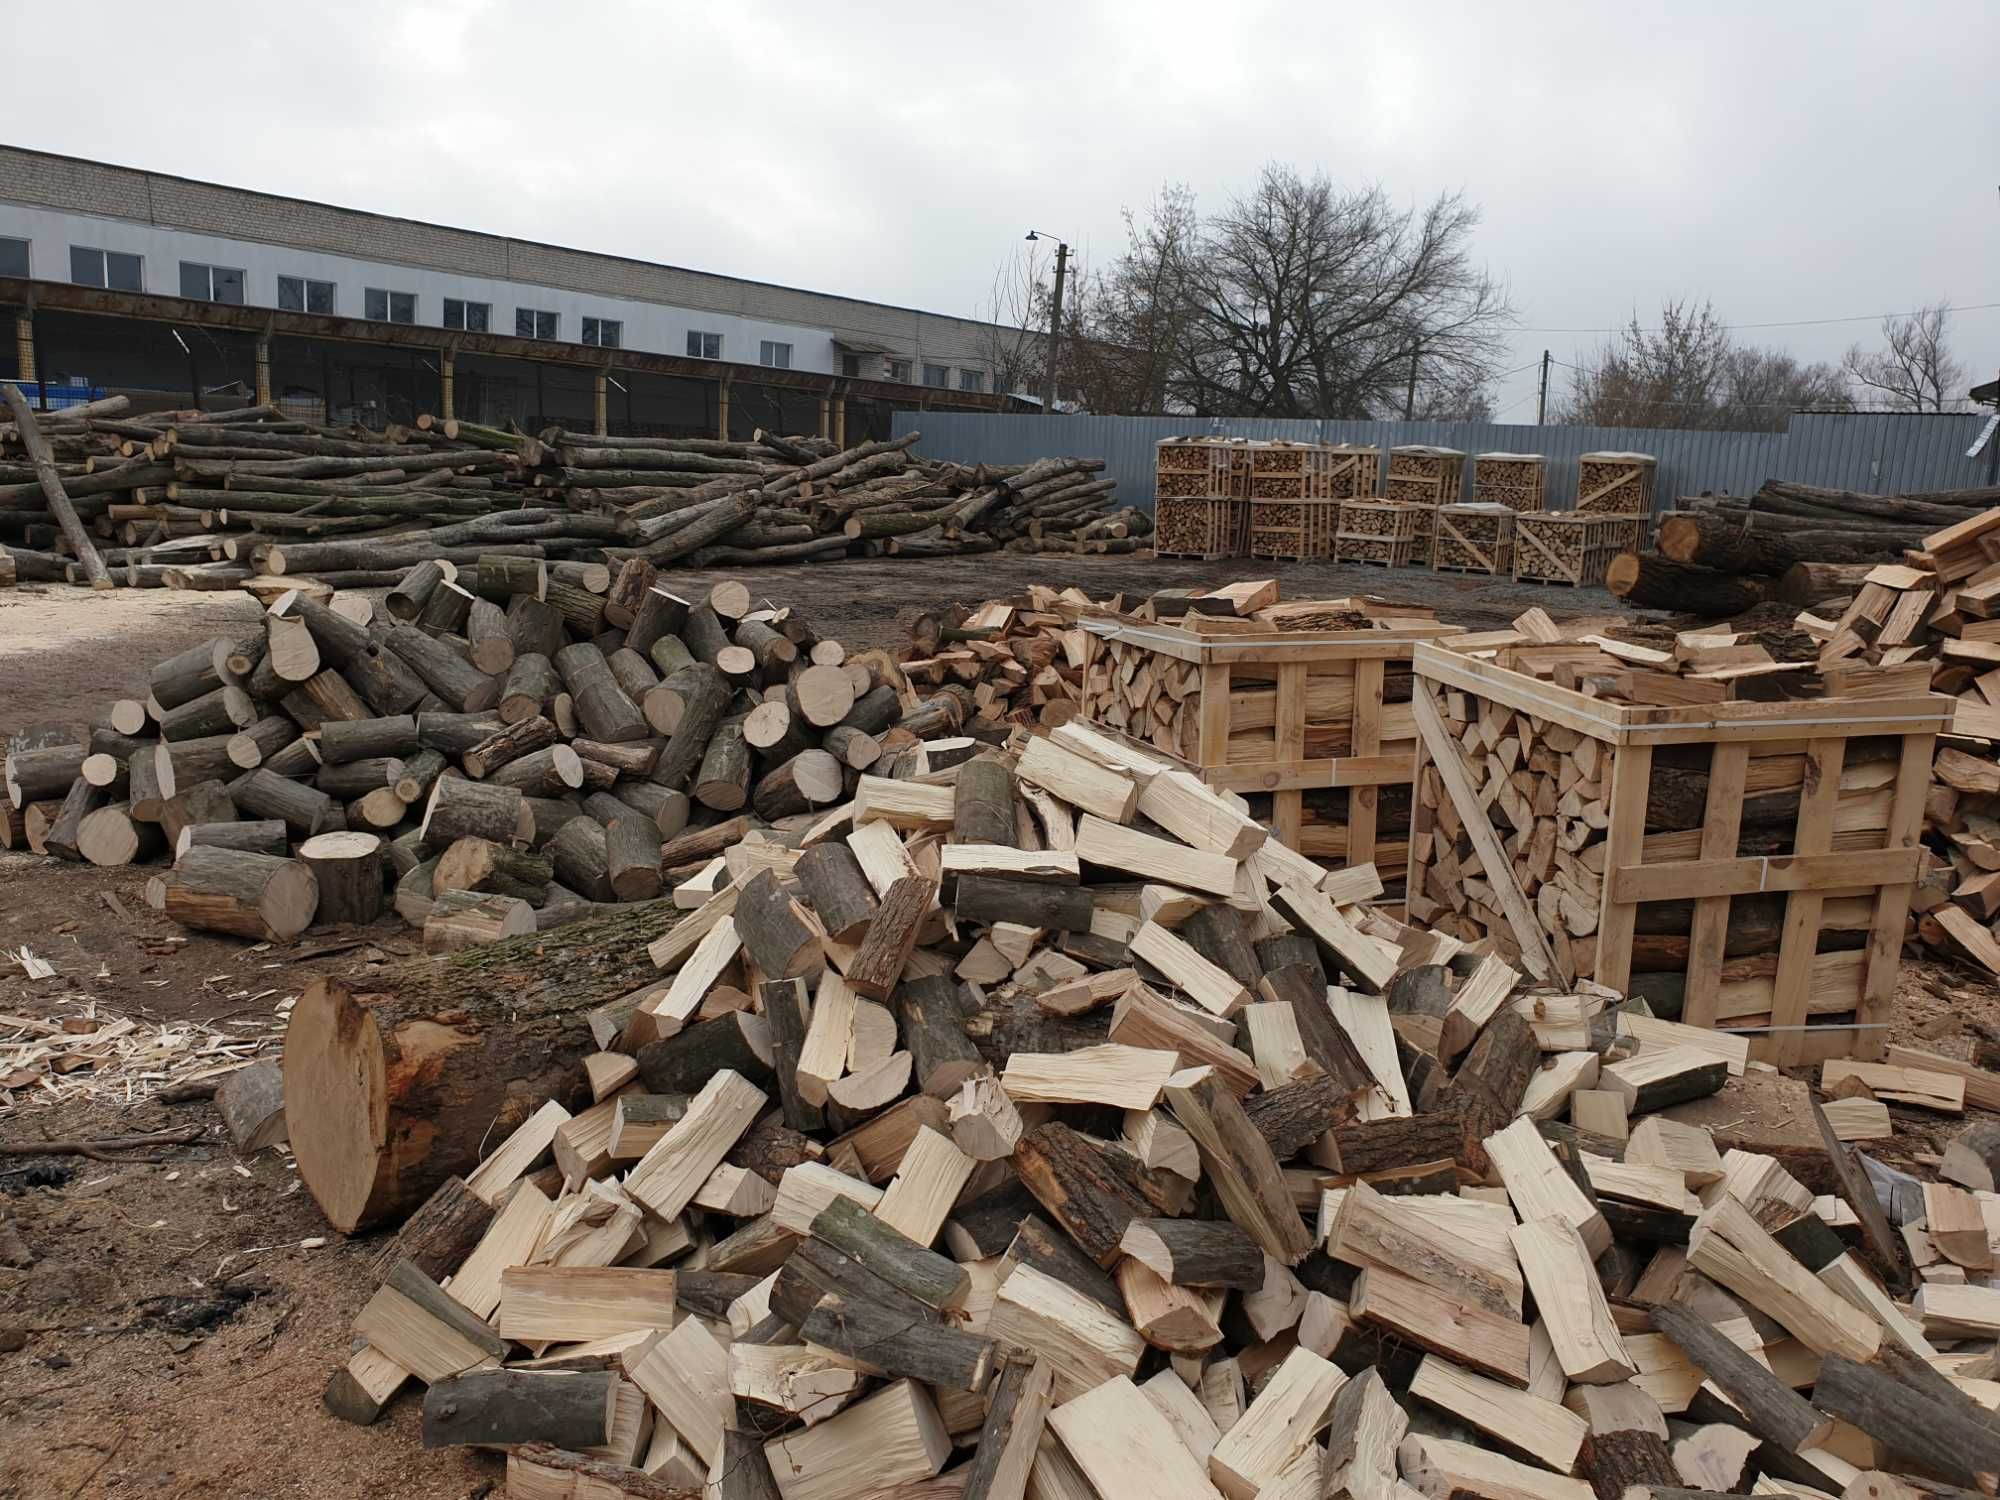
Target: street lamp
x=1055 y=324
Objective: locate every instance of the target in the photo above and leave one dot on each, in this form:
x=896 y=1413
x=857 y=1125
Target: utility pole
x=1542 y=400
x=1055 y=330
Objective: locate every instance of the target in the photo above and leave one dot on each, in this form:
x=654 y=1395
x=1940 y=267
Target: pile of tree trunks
x=93 y=494
x=1035 y=1126
x=495 y=751
x=1720 y=554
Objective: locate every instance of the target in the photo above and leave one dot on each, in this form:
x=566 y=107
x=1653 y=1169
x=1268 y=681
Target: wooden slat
x=1817 y=806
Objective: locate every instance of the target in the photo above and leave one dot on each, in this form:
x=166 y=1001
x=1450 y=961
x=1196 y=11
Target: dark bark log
x=1293 y=1117
x=809 y=779
x=1943 y=1439
x=683 y=1063
x=1711 y=542
x=461 y=685
x=1614 y=1462
x=987 y=899
x=837 y=890
x=877 y=967
x=936 y=1281
x=604 y=708
x=722 y=781
x=366 y=739
x=933 y=1028
x=1303 y=987
x=550 y=771
x=1197 y=1252
x=582 y=859
x=704 y=696
x=632 y=857
x=459 y=808
x=983 y=812
x=445 y=611
x=82 y=799
x=357 y=778
x=1769 y=1407
x=264 y=836
x=1651 y=582
x=246 y=895
x=885 y=1336
x=1221 y=934
x=774 y=935
x=407 y=599
x=1360 y=1148
x=348 y=868
x=262 y=794
x=505 y=1408
x=478 y=864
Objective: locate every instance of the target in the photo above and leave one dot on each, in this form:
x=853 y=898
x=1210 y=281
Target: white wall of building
x=648 y=326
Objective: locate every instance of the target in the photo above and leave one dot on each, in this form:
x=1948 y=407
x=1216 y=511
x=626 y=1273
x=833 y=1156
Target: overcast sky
x=1792 y=160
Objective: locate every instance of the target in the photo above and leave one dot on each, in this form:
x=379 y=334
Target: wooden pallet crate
x=1626 y=533
x=1377 y=531
x=1352 y=471
x=1200 y=468
x=1293 y=530
x=1422 y=473
x=1426 y=532
x=1615 y=484
x=1287 y=471
x=1316 y=721
x=1476 y=538
x=1560 y=546
x=1515 y=480
x=1200 y=527
x=1699 y=856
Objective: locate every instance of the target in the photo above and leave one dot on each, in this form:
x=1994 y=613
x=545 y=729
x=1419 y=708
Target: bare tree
x=1121 y=328
x=1468 y=401
x=1016 y=316
x=1689 y=373
x=1914 y=369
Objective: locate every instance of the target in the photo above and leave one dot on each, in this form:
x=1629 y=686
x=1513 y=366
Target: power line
x=1791 y=323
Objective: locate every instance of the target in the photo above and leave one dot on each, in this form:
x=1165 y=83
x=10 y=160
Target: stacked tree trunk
x=504 y=745
x=220 y=499
x=963 y=1143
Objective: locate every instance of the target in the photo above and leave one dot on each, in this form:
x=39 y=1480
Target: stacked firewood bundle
x=505 y=749
x=1022 y=661
x=1033 y=1126
x=1720 y=554
x=213 y=499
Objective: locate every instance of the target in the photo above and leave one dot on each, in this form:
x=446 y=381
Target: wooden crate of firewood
x=1377 y=531
x=1200 y=527
x=1293 y=530
x=1203 y=467
x=1287 y=471
x=1561 y=546
x=1428 y=475
x=1515 y=480
x=1746 y=866
x=1352 y=471
x=1315 y=721
x=1477 y=538
x=1615 y=484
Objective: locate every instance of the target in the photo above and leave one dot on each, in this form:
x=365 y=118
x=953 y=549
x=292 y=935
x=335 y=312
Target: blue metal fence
x=1884 y=453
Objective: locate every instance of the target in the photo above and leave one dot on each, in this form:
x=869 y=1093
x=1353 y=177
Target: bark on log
x=263 y=793
x=507 y=1408
x=387 y=1100
x=810 y=779
x=31 y=438
x=246 y=895
x=723 y=778
x=459 y=808
x=1711 y=542
x=632 y=857
x=606 y=711
x=348 y=868
x=704 y=696
x=983 y=810
x=1652 y=582
x=261 y=836
x=582 y=859
x=837 y=890
x=461 y=685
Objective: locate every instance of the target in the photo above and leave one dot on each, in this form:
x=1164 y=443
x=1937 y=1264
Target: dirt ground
x=166 y=1327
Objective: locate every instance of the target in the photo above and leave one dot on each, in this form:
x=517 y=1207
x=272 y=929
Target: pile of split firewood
x=212 y=500
x=1034 y=1125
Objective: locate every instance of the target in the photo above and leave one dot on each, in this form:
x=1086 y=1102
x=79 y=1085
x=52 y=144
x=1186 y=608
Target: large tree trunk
x=1712 y=542
x=393 y=1088
x=1653 y=582
x=1807 y=583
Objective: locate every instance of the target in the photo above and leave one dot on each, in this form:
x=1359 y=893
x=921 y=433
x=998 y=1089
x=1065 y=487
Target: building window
x=303 y=294
x=704 y=345
x=211 y=283
x=390 y=307
x=533 y=323
x=850 y=364
x=777 y=356
x=469 y=317
x=13 y=257
x=972 y=380
x=937 y=377
x=899 y=370
x=106 y=268
x=604 y=332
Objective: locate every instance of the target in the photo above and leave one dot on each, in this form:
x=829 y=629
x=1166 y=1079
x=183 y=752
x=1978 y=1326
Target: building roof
x=80 y=185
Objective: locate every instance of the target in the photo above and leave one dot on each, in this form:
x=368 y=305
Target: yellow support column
x=722 y=408
x=840 y=421
x=447 y=383
x=603 y=407
x=825 y=416
x=263 y=369
x=24 y=348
